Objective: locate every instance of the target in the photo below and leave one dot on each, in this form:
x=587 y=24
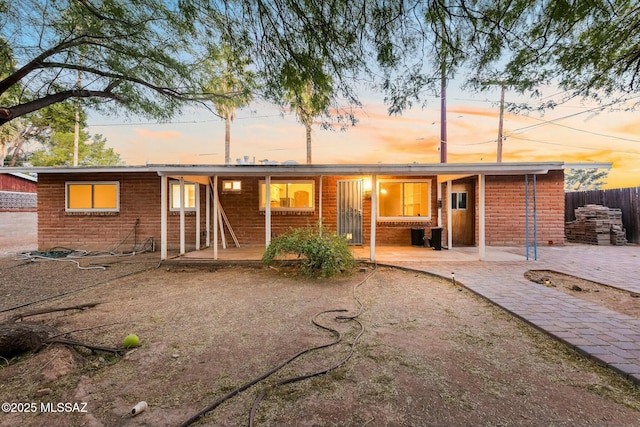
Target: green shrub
x=320 y=251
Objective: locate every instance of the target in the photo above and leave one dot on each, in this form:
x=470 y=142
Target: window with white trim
x=99 y=196
x=288 y=195
x=459 y=201
x=190 y=189
x=404 y=200
x=232 y=186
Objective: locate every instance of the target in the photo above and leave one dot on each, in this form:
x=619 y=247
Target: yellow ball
x=131 y=341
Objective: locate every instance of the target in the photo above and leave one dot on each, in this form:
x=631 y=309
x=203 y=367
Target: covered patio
x=367 y=177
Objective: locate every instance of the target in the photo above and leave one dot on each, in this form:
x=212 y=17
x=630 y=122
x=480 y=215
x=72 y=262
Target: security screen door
x=349 y=210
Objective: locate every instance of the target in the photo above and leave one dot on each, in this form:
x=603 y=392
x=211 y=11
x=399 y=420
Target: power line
x=588 y=131
x=571 y=146
x=186 y=122
x=600 y=107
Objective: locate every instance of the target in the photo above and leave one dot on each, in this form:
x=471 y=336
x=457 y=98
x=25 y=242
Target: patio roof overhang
x=464 y=169
x=202 y=174
x=450 y=169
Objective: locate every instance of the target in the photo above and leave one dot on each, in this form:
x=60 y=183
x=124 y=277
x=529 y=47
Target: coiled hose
x=337 y=340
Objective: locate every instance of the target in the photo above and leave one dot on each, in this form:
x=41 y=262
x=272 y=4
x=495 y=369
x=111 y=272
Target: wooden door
x=462 y=205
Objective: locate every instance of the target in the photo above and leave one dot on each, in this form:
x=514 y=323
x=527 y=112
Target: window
x=93 y=196
x=231 y=186
x=189 y=196
x=401 y=200
x=288 y=195
x=458 y=201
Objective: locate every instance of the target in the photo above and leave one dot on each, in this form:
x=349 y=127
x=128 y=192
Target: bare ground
x=619 y=300
x=431 y=354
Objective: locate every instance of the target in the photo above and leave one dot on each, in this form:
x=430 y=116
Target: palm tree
x=231 y=87
x=308 y=102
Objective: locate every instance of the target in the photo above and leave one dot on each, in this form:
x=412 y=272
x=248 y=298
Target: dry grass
x=430 y=355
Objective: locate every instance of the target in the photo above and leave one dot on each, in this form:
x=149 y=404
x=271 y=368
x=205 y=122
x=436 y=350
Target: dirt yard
x=431 y=354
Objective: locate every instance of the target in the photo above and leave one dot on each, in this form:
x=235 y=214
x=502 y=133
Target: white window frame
x=458 y=208
x=92 y=183
x=177 y=183
x=288 y=181
x=234 y=186
x=405 y=218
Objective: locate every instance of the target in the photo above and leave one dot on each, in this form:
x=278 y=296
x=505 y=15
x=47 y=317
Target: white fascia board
x=22 y=175
x=588 y=165
x=519 y=168
x=364 y=169
x=82 y=169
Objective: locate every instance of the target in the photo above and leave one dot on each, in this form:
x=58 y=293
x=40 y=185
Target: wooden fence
x=625 y=199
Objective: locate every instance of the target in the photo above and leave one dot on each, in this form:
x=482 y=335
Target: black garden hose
x=253 y=382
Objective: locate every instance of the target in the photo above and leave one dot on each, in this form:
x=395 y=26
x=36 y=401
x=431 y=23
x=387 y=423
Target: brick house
x=187 y=207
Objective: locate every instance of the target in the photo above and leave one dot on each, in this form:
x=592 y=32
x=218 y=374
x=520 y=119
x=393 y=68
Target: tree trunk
x=227 y=139
x=308 y=130
x=16 y=338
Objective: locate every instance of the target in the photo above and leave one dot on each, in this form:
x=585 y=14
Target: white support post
x=449 y=217
x=481 y=215
x=320 y=207
x=182 y=227
x=439 y=196
x=374 y=214
x=267 y=212
x=164 y=183
x=207 y=221
x=197 y=217
x=215 y=217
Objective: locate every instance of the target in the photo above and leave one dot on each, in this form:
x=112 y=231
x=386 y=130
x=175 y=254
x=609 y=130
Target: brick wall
x=139 y=200
x=505 y=209
x=248 y=222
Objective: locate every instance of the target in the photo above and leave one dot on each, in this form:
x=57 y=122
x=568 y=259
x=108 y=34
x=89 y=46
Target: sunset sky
x=261 y=131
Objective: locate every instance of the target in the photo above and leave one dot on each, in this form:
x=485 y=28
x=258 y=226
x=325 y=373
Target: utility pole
x=500 y=137
x=443 y=94
x=76 y=133
x=443 y=115
x=503 y=86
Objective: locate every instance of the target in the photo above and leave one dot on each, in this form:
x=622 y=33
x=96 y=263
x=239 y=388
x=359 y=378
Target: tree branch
x=35 y=63
x=9 y=113
x=21 y=316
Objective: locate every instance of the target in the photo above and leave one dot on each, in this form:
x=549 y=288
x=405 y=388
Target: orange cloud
x=632 y=128
x=163 y=135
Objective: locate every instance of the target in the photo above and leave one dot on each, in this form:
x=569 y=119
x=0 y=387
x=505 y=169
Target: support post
x=535 y=220
x=164 y=184
x=320 y=206
x=182 y=227
x=215 y=217
x=481 y=215
x=267 y=212
x=526 y=213
x=197 y=217
x=207 y=221
x=374 y=214
x=439 y=197
x=449 y=217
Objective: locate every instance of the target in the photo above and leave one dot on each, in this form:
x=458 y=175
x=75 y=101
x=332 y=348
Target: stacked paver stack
x=596 y=225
